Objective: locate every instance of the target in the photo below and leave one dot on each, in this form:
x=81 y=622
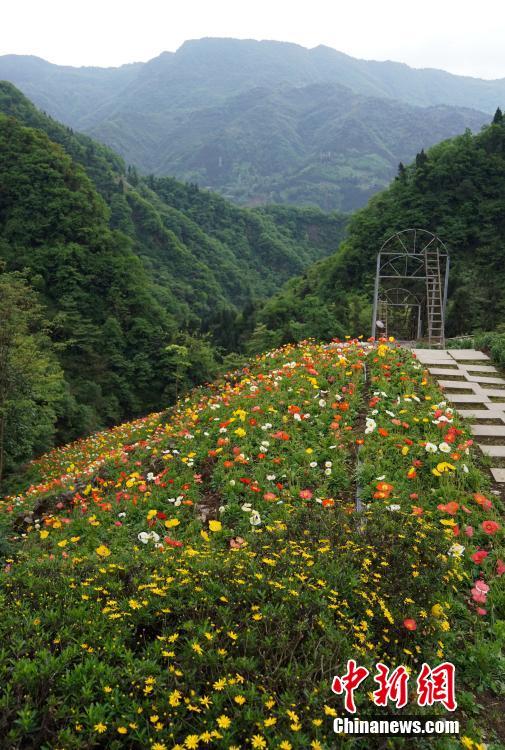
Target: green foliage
x=128 y=265
x=105 y=321
x=189 y=238
x=454 y=190
x=197 y=578
x=31 y=381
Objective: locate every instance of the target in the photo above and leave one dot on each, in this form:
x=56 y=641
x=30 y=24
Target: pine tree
x=498 y=117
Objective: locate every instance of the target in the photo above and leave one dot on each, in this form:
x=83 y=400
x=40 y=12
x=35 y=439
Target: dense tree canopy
x=128 y=266
x=31 y=381
x=454 y=190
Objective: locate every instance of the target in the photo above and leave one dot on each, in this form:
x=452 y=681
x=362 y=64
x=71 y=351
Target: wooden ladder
x=434 y=299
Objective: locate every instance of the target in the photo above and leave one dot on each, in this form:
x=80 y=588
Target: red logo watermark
x=435 y=685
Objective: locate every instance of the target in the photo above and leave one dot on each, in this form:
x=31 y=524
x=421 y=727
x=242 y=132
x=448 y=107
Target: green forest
x=455 y=190
x=145 y=285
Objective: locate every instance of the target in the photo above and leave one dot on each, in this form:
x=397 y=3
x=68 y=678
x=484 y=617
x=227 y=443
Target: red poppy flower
x=482 y=500
x=451 y=508
x=172 y=542
x=410 y=624
x=479 y=556
x=490 y=527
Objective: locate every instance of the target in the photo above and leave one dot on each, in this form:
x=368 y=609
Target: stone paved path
x=473 y=385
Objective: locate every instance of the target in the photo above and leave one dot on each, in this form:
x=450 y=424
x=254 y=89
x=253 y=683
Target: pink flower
x=500 y=568
x=481 y=611
x=481 y=585
x=469 y=530
x=305 y=494
x=478 y=596
x=479 y=591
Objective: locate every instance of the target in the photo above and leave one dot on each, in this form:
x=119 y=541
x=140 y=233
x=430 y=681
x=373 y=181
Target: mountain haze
x=262 y=122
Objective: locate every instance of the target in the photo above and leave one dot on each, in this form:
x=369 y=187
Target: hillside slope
x=199 y=577
x=455 y=191
x=264 y=122
x=100 y=303
x=190 y=239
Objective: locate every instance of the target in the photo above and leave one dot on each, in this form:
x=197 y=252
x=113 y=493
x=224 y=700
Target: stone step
x=433 y=355
x=488 y=430
x=446 y=371
x=490 y=413
x=468 y=398
x=455 y=384
x=471 y=354
x=498 y=475
x=477 y=368
x=495 y=451
x=484 y=379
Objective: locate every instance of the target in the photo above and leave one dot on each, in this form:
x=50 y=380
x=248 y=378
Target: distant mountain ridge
x=262 y=121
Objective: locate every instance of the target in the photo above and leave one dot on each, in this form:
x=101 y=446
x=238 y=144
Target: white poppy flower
x=444 y=447
x=430 y=448
x=456 y=550
x=255 y=518
x=143 y=537
x=371 y=424
x=393 y=507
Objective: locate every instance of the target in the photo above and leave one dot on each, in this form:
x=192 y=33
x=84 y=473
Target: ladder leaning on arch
x=411 y=288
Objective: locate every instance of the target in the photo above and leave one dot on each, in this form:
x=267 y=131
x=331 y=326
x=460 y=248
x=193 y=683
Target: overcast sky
x=456 y=35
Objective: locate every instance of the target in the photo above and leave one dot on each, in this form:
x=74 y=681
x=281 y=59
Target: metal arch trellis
x=411 y=281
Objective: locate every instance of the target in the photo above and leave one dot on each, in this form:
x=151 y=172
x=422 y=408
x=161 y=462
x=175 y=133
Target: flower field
x=196 y=579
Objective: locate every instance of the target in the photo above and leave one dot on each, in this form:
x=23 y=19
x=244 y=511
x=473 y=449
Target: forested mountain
x=455 y=190
x=107 y=325
x=125 y=267
x=188 y=238
x=262 y=122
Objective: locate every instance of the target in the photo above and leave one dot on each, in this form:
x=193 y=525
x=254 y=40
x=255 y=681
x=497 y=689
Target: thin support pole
x=376 y=296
